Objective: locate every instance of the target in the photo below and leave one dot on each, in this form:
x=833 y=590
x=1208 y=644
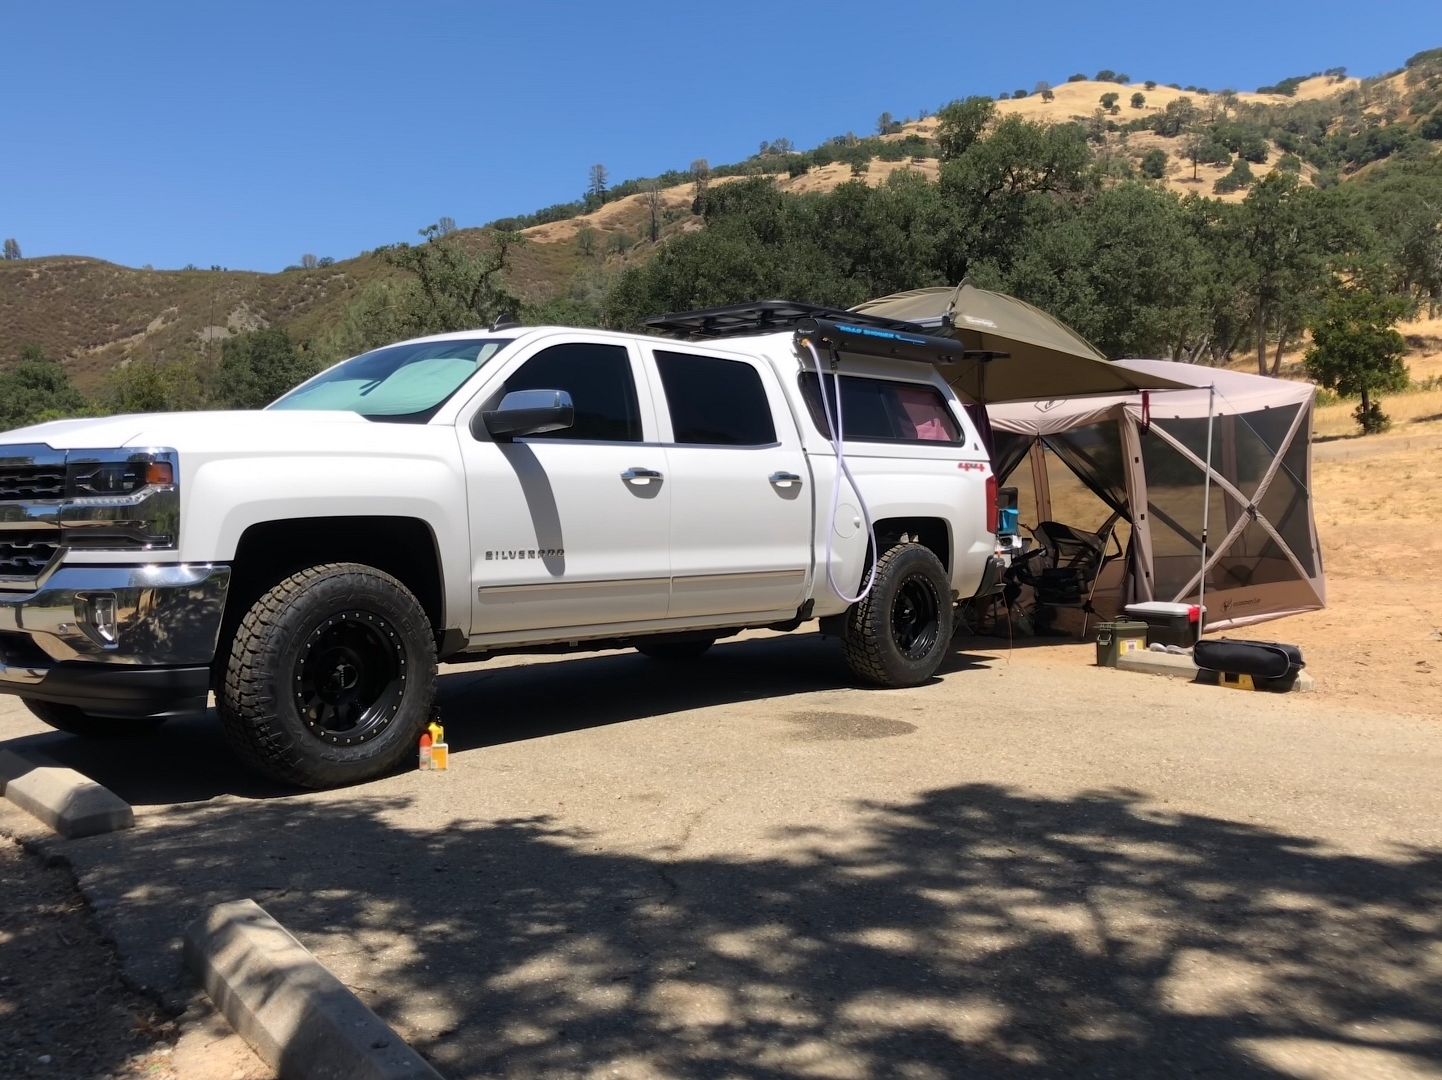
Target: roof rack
x=764 y=317
x=828 y=328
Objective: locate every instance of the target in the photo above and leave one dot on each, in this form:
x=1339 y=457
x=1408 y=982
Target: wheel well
x=928 y=532
x=270 y=551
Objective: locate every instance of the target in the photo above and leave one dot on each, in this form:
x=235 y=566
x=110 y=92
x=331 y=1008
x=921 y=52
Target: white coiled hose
x=842 y=469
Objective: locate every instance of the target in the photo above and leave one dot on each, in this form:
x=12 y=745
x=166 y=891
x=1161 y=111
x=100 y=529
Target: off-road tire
x=258 y=699
x=870 y=641
x=675 y=650
x=75 y=721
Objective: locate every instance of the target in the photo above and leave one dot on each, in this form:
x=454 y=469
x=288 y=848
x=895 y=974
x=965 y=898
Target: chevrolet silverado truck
x=465 y=495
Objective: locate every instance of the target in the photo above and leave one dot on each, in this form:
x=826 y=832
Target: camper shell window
x=885 y=410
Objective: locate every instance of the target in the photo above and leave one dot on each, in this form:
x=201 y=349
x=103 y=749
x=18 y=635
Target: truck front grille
x=26 y=483
x=26 y=554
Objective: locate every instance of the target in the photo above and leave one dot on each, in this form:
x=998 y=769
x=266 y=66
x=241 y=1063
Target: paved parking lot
x=744 y=867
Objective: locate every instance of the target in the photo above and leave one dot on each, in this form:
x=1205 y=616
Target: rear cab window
x=884 y=410
x=714 y=401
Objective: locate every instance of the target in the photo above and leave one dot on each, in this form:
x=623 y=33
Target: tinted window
x=879 y=410
x=715 y=402
x=598 y=378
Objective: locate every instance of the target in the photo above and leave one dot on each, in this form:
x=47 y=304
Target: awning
x=1042 y=357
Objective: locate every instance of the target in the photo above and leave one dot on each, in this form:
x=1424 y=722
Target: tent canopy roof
x=1236 y=392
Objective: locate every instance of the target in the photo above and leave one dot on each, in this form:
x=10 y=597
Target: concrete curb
x=298 y=1017
x=1181 y=667
x=70 y=803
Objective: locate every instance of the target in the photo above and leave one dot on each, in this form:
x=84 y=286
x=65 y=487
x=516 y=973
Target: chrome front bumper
x=137 y=616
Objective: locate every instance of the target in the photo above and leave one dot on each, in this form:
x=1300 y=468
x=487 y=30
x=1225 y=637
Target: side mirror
x=527 y=412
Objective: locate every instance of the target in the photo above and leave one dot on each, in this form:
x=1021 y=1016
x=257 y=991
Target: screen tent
x=1145 y=456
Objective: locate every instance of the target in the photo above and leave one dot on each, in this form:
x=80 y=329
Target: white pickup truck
x=470 y=494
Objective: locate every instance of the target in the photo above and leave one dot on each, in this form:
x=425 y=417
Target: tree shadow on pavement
x=188 y=761
x=972 y=931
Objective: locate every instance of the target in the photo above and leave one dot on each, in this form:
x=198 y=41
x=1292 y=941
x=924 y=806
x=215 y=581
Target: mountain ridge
x=94 y=314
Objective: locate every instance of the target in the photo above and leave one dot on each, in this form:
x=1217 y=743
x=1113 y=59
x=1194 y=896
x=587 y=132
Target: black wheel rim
x=349 y=678
x=915 y=617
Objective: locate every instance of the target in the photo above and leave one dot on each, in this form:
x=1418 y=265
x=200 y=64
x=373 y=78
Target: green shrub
x=1254 y=149
x=1154 y=164
x=1240 y=177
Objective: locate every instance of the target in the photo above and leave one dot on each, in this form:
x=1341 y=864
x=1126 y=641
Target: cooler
x=1169 y=624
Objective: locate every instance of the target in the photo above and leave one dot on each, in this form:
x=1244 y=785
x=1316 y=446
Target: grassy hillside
x=94 y=315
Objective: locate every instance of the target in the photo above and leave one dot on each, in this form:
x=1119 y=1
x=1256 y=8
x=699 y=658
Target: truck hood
x=218 y=432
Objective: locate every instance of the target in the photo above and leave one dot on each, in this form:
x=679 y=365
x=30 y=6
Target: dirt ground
x=746 y=866
x=64 y=1010
x=67 y=1011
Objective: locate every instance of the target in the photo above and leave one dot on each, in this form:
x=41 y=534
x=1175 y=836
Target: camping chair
x=1064 y=568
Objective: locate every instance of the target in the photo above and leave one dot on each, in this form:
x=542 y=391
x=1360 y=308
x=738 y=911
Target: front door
x=740 y=499
x=569 y=528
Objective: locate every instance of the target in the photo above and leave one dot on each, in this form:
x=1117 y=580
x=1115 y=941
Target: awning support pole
x=1206 y=510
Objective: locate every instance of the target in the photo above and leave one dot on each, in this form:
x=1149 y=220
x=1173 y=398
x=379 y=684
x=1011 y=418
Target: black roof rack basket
x=763 y=317
x=828 y=328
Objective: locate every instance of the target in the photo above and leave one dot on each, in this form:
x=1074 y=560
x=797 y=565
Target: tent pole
x=1206 y=508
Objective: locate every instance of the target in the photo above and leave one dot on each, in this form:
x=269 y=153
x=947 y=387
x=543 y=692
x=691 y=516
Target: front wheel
x=898 y=634
x=330 y=678
x=75 y=721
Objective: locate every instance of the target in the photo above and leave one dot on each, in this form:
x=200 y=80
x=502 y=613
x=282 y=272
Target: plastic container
x=1169 y=624
x=1117 y=639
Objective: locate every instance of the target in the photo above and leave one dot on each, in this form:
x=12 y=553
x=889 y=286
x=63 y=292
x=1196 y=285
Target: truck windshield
x=396 y=383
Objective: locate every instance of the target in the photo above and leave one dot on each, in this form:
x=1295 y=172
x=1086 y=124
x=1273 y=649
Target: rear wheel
x=898 y=634
x=75 y=721
x=330 y=678
x=675 y=650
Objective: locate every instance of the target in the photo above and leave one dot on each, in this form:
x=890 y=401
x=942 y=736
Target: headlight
x=119 y=499
x=91 y=479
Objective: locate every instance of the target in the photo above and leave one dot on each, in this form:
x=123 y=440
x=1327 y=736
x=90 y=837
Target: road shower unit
x=466 y=495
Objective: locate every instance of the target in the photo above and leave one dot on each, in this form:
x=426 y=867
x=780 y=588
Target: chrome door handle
x=785 y=479
x=640 y=476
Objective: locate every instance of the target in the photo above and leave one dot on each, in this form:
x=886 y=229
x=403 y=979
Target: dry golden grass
x=629 y=215
x=829 y=177
x=1078 y=100
x=1378 y=503
x=1406 y=410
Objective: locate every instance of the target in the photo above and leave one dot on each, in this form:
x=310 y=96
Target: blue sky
x=247 y=134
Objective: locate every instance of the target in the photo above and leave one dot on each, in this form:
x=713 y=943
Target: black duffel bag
x=1271 y=664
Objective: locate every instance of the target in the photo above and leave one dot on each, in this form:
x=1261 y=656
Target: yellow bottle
x=440 y=752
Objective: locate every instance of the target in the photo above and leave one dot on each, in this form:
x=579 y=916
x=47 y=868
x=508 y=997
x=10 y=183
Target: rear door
x=740 y=501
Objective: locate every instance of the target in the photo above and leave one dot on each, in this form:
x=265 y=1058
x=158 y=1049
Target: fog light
x=98 y=619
